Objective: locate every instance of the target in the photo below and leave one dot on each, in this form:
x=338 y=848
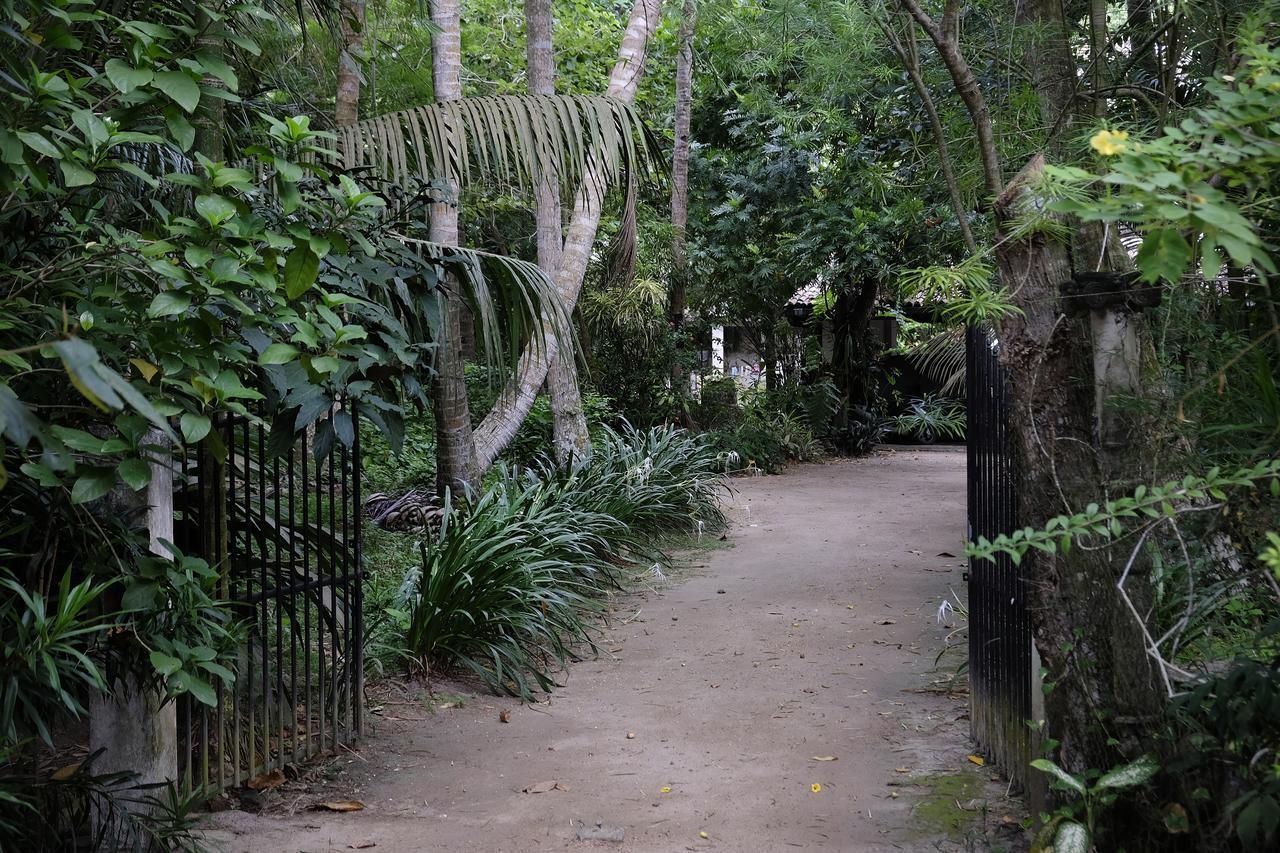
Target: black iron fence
x=1000 y=654
x=284 y=531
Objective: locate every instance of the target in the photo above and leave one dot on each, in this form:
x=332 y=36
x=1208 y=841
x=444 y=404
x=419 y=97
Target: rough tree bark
x=346 y=100
x=513 y=404
x=569 y=436
x=680 y=178
x=456 y=468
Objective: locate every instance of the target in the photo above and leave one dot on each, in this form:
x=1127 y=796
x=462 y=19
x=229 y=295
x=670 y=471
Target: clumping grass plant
x=508 y=589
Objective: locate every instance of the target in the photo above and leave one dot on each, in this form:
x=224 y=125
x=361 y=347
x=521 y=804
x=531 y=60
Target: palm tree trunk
x=569 y=423
x=455 y=449
x=680 y=180
x=346 y=100
x=513 y=404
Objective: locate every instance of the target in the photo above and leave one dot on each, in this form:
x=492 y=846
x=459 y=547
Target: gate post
x=135 y=729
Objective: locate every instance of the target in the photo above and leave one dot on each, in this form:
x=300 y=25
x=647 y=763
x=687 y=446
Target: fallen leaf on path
x=340 y=806
x=665 y=789
x=504 y=716
x=978 y=760
x=363 y=844
x=816 y=788
x=703 y=835
x=901 y=770
x=945 y=554
x=886 y=622
x=544 y=787
x=824 y=758
x=267 y=781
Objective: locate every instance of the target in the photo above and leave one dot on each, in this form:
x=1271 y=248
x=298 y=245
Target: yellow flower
x=665 y=789
x=1109 y=142
x=816 y=788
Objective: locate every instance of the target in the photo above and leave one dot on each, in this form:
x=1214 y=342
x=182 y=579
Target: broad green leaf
x=178 y=86
x=1046 y=766
x=1071 y=837
x=135 y=472
x=168 y=303
x=194 y=427
x=1164 y=255
x=75 y=175
x=278 y=353
x=93 y=484
x=182 y=131
x=125 y=77
x=300 y=271
x=1131 y=774
x=165 y=664
x=215 y=209
x=39 y=144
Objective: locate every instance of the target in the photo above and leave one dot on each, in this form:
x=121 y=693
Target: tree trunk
x=680 y=182
x=569 y=436
x=513 y=404
x=346 y=100
x=455 y=449
x=1092 y=648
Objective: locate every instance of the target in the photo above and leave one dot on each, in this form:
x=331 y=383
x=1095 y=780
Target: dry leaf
x=362 y=844
x=340 y=806
x=945 y=554
x=267 y=781
x=62 y=774
x=901 y=770
x=544 y=787
x=886 y=622
x=824 y=758
x=978 y=760
x=504 y=716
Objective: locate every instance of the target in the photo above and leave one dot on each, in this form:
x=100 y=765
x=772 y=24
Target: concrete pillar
x=717 y=350
x=135 y=731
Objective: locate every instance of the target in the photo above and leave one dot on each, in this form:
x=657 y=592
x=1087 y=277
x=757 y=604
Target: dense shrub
x=507 y=589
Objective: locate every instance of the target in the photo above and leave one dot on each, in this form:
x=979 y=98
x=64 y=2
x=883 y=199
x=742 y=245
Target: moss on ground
x=940 y=812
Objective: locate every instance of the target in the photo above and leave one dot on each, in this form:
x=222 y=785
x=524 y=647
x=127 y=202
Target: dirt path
x=814 y=635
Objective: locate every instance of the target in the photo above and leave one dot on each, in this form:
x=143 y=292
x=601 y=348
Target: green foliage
x=1204 y=188
x=1089 y=800
x=772 y=428
x=931 y=417
x=1108 y=521
x=189 y=634
x=507 y=589
x=44 y=669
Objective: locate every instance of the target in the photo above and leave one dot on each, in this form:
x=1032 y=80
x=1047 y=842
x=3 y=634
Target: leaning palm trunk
x=455 y=456
x=502 y=422
x=569 y=423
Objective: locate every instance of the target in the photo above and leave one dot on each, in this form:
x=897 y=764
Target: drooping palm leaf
x=505 y=138
x=941 y=359
x=513 y=301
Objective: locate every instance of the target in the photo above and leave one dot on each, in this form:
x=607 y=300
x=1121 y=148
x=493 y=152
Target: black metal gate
x=1000 y=653
x=284 y=533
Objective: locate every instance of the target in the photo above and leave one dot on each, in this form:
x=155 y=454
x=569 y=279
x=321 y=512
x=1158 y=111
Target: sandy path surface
x=814 y=635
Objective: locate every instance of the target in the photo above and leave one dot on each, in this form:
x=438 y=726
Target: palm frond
x=514 y=302
x=941 y=358
x=506 y=138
